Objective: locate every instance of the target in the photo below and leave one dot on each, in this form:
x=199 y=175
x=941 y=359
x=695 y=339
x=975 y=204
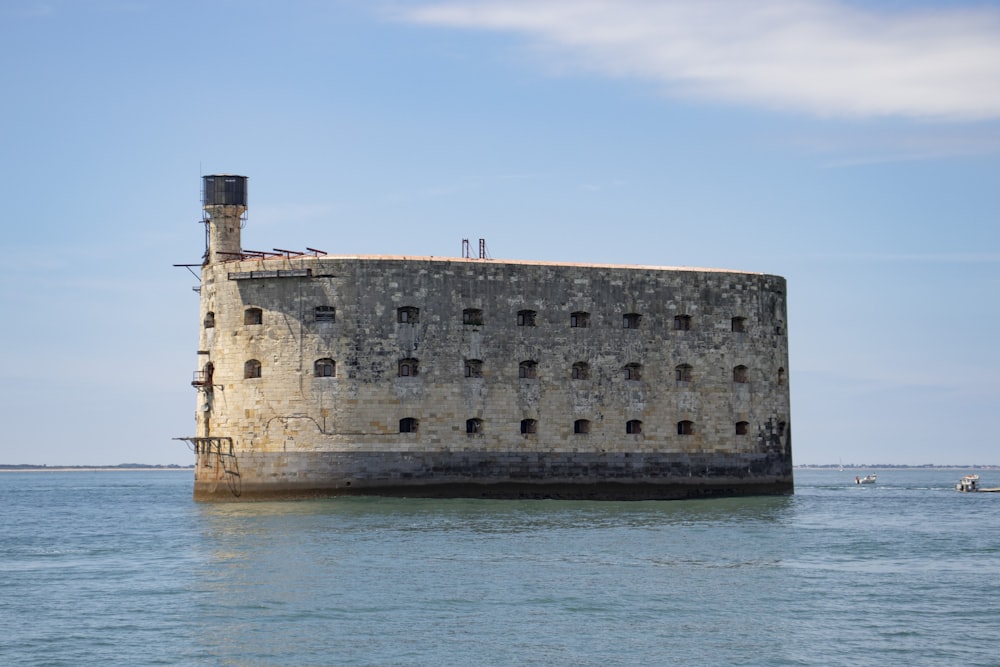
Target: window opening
x=682 y=322
x=472 y=316
x=529 y=426
x=633 y=427
x=741 y=375
x=633 y=372
x=473 y=368
x=527 y=370
x=326 y=314
x=408 y=425
x=742 y=428
x=325 y=368
x=685 y=427
x=526 y=318
x=581 y=426
x=631 y=320
x=407 y=367
x=579 y=319
x=581 y=371
x=209 y=320
x=473 y=426
x=251 y=369
x=739 y=325
x=684 y=373
x=253 y=316
x=408 y=315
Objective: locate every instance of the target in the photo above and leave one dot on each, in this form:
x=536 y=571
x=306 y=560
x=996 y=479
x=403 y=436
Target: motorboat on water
x=971 y=483
x=968 y=483
x=867 y=479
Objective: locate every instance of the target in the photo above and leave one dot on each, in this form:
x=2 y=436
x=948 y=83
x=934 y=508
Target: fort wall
x=428 y=376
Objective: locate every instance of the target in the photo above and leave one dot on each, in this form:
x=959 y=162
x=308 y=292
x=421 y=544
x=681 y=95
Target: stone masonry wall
x=289 y=409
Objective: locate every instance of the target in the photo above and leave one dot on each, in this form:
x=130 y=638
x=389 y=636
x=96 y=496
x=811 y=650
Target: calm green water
x=123 y=568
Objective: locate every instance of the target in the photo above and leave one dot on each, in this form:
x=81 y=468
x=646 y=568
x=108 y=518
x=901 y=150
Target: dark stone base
x=507 y=475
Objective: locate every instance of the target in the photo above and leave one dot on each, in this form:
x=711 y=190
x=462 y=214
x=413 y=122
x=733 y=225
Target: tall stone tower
x=225 y=203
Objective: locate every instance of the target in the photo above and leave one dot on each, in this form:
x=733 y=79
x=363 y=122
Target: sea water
x=123 y=568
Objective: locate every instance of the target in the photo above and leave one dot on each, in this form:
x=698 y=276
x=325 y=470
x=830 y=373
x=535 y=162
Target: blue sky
x=850 y=146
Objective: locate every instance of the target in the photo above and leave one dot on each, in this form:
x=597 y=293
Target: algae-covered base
x=513 y=475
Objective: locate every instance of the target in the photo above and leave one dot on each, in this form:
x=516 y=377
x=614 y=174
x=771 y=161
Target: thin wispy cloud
x=271 y=216
x=931 y=258
x=817 y=56
x=29 y=11
x=880 y=143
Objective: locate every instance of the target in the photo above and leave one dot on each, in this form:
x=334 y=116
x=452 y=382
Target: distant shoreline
x=122 y=468
x=125 y=467
x=892 y=466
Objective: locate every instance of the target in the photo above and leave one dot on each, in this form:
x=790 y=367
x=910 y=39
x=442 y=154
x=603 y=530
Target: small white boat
x=867 y=479
x=968 y=483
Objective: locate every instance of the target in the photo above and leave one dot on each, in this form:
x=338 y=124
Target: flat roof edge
x=477 y=260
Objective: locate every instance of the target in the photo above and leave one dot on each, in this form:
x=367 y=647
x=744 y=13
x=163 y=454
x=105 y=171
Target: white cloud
x=818 y=56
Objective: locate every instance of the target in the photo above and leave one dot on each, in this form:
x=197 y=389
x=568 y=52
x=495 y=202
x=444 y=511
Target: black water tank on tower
x=224 y=190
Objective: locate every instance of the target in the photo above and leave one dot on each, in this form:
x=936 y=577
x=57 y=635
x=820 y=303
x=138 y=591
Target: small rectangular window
x=408 y=315
x=253 y=316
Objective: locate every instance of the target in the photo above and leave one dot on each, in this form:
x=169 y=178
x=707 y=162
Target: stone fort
x=323 y=374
